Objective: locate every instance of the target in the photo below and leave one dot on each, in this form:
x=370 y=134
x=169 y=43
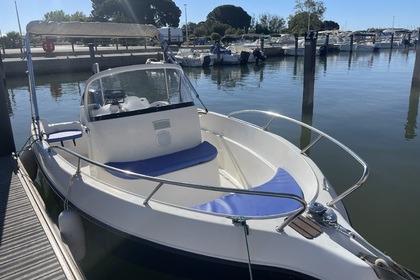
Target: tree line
x=222 y=22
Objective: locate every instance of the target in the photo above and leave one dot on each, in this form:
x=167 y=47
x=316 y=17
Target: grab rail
x=162 y=181
x=321 y=135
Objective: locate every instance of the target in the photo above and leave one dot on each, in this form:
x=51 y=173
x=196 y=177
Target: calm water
x=365 y=101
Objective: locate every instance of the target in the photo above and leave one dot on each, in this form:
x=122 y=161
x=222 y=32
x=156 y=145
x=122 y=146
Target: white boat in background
x=192 y=192
x=193 y=58
x=223 y=56
x=357 y=47
x=248 y=54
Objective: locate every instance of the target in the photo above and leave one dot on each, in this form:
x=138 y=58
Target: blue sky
x=350 y=14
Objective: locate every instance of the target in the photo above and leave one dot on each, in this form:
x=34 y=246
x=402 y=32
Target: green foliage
x=215 y=37
x=78 y=16
x=61 y=16
x=219 y=28
x=11 y=40
x=201 y=31
x=310 y=6
x=330 y=25
x=157 y=12
x=230 y=15
x=270 y=24
x=298 y=24
x=58 y=16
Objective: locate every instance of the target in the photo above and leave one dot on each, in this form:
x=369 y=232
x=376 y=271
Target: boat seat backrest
x=144 y=136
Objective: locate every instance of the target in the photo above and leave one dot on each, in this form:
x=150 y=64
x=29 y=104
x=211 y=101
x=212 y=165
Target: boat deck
x=30 y=244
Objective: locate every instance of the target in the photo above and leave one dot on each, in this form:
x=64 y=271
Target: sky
x=349 y=14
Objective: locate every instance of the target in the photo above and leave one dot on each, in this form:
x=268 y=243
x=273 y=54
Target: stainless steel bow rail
x=321 y=135
x=161 y=182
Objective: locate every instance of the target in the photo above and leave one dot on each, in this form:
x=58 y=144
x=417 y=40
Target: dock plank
x=29 y=247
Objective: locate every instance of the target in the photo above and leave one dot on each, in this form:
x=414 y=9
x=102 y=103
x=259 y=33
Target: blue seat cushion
x=160 y=165
x=64 y=135
x=256 y=205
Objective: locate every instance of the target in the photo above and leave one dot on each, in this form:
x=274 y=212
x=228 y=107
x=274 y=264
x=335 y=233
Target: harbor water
x=364 y=100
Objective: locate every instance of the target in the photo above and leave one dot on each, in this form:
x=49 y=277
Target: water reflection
x=305 y=134
x=226 y=77
x=413 y=109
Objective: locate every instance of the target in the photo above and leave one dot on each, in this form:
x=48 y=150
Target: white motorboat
x=200 y=194
x=248 y=54
x=357 y=47
x=221 y=55
x=193 y=58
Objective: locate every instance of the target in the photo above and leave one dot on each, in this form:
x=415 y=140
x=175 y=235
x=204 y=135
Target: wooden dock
x=30 y=244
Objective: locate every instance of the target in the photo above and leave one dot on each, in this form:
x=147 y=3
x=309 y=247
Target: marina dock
x=30 y=244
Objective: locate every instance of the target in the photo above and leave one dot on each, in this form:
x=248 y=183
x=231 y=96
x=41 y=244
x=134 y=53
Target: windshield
x=131 y=89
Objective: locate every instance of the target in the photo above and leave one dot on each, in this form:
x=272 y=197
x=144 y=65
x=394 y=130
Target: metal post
x=7 y=143
x=186 y=24
x=351 y=43
x=309 y=71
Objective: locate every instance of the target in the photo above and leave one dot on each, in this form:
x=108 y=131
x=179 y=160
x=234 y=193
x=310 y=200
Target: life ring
x=48 y=46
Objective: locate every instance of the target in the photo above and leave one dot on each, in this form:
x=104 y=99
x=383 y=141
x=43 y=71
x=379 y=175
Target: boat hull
x=206 y=240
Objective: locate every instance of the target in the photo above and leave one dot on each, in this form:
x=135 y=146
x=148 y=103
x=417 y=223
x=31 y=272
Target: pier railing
x=161 y=182
x=321 y=135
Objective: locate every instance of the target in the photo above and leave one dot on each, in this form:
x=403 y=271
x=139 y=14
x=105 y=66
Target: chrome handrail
x=162 y=181
x=321 y=135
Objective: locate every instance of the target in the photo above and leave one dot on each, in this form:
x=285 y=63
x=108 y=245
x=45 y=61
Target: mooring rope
x=241 y=220
x=66 y=199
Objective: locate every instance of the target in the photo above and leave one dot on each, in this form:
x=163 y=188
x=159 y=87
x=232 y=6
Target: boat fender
x=27 y=157
x=72 y=233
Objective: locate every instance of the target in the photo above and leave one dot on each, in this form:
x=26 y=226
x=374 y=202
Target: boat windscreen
x=138 y=91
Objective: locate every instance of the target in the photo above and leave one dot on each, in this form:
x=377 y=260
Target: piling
x=296 y=45
x=2 y=73
x=416 y=73
x=7 y=143
x=309 y=71
x=218 y=51
x=327 y=41
x=92 y=56
x=392 y=41
x=351 y=43
x=262 y=44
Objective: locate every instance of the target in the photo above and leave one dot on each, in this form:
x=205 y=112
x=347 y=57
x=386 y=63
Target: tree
x=61 y=16
x=330 y=25
x=298 y=24
x=269 y=24
x=58 y=16
x=78 y=16
x=11 y=40
x=310 y=6
x=231 y=15
x=157 y=12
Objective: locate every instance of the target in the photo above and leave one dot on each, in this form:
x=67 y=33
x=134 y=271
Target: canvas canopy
x=91 y=29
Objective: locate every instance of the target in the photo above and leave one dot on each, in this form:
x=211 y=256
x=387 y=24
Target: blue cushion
x=64 y=135
x=257 y=206
x=167 y=163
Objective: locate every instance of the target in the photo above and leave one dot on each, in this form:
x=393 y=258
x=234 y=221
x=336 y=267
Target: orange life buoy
x=48 y=46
